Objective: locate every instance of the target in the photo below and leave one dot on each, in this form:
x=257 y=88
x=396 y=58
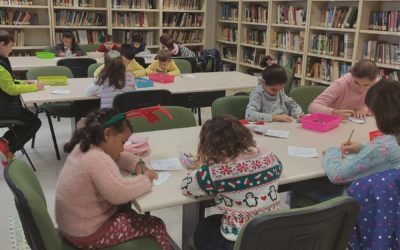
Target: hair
x=274 y=75
x=223 y=138
x=137 y=38
x=167 y=41
x=93 y=131
x=127 y=51
x=383 y=98
x=164 y=56
x=115 y=71
x=264 y=61
x=108 y=38
x=69 y=35
x=365 y=69
x=6 y=37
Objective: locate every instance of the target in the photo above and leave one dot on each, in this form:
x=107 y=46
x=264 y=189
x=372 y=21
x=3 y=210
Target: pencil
x=351 y=134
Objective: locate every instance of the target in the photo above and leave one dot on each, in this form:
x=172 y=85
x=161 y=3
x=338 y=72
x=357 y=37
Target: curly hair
x=93 y=131
x=114 y=70
x=223 y=138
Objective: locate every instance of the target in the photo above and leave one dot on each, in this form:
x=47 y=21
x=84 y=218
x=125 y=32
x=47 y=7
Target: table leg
x=190 y=218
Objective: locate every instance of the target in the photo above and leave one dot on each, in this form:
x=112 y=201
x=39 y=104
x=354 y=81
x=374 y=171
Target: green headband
x=116 y=118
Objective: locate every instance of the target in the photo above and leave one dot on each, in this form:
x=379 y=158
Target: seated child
x=91 y=190
x=68 y=43
x=163 y=64
x=176 y=49
x=346 y=95
x=138 y=44
x=228 y=153
x=268 y=102
x=107 y=45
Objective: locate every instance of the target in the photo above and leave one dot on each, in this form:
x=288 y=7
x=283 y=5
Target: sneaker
x=5 y=155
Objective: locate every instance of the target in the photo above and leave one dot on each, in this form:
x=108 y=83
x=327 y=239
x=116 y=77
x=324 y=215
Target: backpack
x=213 y=56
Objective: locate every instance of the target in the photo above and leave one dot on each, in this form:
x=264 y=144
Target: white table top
x=187 y=83
x=166 y=144
x=28 y=62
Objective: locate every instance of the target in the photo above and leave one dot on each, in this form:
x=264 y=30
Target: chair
x=141 y=99
x=182 y=118
x=35 y=219
x=305 y=95
x=33 y=73
x=230 y=105
x=290 y=75
x=78 y=66
x=191 y=60
x=141 y=61
x=183 y=65
x=92 y=68
x=89 y=47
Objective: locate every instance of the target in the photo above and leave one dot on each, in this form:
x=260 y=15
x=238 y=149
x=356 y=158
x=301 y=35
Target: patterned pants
x=123 y=227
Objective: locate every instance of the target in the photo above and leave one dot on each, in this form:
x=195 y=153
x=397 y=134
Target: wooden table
x=20 y=63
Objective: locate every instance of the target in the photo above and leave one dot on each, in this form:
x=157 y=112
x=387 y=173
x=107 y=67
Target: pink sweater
x=90 y=187
x=344 y=93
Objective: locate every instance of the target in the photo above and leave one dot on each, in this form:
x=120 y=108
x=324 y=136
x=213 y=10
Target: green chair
x=89 y=47
x=92 y=68
x=59 y=109
x=182 y=118
x=230 y=105
x=305 y=95
x=290 y=75
x=39 y=229
x=183 y=65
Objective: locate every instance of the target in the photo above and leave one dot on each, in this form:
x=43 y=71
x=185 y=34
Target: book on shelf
x=325 y=69
x=22 y=53
x=381 y=52
x=229 y=34
x=229 y=52
x=253 y=56
x=256 y=13
x=339 y=45
x=17 y=2
x=75 y=3
x=182 y=4
x=85 y=36
x=339 y=17
x=255 y=36
x=78 y=18
x=389 y=74
x=125 y=36
x=186 y=36
x=289 y=40
x=19 y=38
x=133 y=4
x=292 y=15
x=293 y=61
x=228 y=67
x=130 y=19
x=229 y=12
x=182 y=20
x=385 y=21
x=17 y=17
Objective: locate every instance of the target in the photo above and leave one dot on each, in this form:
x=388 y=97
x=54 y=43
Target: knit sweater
x=133 y=67
x=344 y=93
x=89 y=188
x=171 y=69
x=263 y=106
x=243 y=188
x=381 y=154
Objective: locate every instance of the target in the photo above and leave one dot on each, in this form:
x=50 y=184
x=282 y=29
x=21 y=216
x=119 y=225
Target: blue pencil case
x=143 y=83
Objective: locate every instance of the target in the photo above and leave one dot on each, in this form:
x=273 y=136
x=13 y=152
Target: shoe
x=5 y=154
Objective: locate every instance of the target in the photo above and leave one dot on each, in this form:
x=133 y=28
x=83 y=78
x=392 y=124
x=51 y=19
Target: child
x=139 y=45
x=107 y=45
x=163 y=64
x=11 y=107
x=128 y=56
x=227 y=154
x=90 y=187
x=112 y=80
x=268 y=102
x=68 y=43
x=383 y=153
x=175 y=49
x=346 y=95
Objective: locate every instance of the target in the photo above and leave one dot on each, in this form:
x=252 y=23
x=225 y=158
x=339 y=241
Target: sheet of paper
x=302 y=152
x=166 y=164
x=259 y=129
x=60 y=91
x=355 y=120
x=277 y=133
x=162 y=177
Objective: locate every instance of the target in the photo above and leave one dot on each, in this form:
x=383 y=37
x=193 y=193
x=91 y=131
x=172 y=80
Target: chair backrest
x=324 y=226
x=183 y=65
x=182 y=118
x=305 y=95
x=78 y=66
x=89 y=47
x=230 y=105
x=290 y=75
x=141 y=99
x=209 y=66
x=33 y=73
x=31 y=205
x=141 y=61
x=92 y=68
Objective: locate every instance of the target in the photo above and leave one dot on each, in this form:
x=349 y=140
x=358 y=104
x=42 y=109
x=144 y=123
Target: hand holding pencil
x=350 y=147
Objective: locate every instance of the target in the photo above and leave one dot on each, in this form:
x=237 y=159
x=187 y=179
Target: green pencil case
x=54 y=80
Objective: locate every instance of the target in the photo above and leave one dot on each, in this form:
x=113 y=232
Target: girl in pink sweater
x=90 y=187
x=346 y=95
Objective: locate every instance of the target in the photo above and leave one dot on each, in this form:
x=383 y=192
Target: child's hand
x=360 y=114
x=350 y=148
x=61 y=54
x=74 y=55
x=150 y=173
x=343 y=112
x=40 y=85
x=282 y=118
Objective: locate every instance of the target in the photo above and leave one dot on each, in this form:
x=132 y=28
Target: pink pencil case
x=137 y=145
x=162 y=78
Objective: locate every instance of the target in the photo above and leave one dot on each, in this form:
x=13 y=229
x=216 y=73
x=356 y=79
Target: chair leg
x=34 y=136
x=199 y=115
x=22 y=148
x=53 y=136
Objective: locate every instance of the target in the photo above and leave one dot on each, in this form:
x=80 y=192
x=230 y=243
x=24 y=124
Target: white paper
x=162 y=177
x=277 y=133
x=259 y=129
x=166 y=164
x=355 y=120
x=302 y=152
x=60 y=91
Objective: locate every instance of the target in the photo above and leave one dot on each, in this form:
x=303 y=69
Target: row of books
x=130 y=19
x=381 y=52
x=75 y=3
x=182 y=20
x=256 y=13
x=325 y=69
x=182 y=4
x=229 y=34
x=385 y=21
x=17 y=2
x=292 y=15
x=192 y=36
x=339 y=17
x=229 y=52
x=289 y=40
x=292 y=61
x=78 y=18
x=17 y=17
x=125 y=36
x=133 y=4
x=85 y=36
x=389 y=74
x=19 y=38
x=255 y=36
x=333 y=45
x=252 y=56
x=228 y=67
x=230 y=12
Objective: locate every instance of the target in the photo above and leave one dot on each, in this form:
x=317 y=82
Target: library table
x=20 y=63
x=167 y=143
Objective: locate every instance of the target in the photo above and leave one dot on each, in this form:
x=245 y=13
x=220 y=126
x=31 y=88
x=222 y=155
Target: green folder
x=54 y=80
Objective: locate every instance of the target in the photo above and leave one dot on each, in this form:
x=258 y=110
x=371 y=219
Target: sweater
x=344 y=93
x=263 y=106
x=75 y=49
x=109 y=92
x=103 y=48
x=172 y=69
x=89 y=188
x=133 y=67
x=380 y=154
x=243 y=188
x=184 y=51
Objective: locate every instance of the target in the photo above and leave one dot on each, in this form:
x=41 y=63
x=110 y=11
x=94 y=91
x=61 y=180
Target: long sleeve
x=78 y=51
x=173 y=69
x=93 y=89
x=254 y=107
x=127 y=162
x=190 y=184
x=292 y=106
x=98 y=70
x=380 y=154
x=7 y=84
x=136 y=69
x=323 y=103
x=152 y=68
x=57 y=49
